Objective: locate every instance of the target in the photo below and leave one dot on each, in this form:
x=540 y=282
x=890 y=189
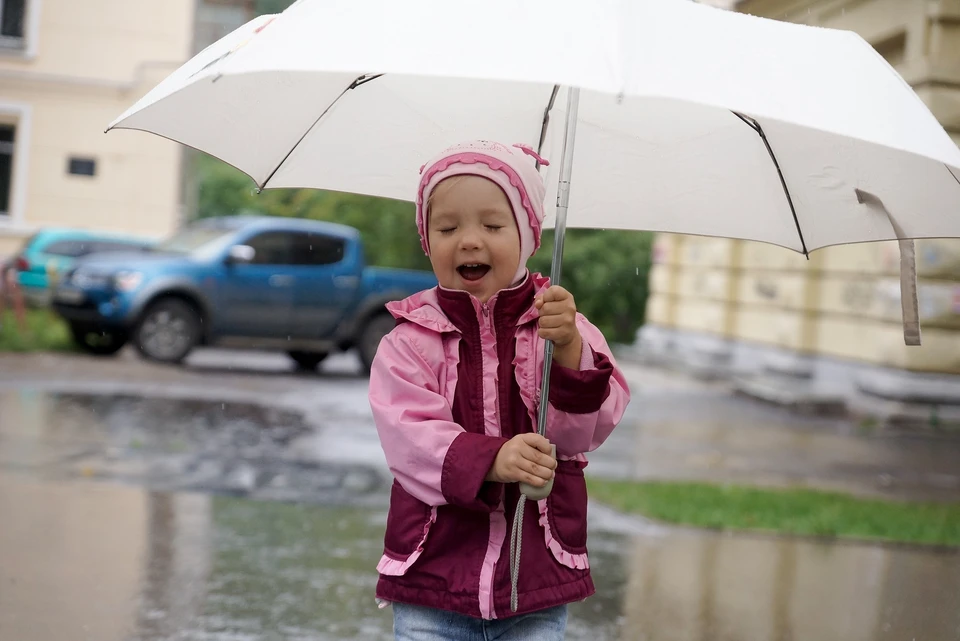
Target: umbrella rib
x=753 y=124
x=546 y=120
x=950 y=171
x=360 y=80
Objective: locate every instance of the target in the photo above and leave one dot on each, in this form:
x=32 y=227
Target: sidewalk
x=678 y=427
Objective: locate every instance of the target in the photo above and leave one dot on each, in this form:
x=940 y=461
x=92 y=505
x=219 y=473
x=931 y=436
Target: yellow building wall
x=85 y=63
x=107 y=39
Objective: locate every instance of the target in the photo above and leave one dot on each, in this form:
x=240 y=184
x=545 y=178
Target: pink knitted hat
x=513 y=169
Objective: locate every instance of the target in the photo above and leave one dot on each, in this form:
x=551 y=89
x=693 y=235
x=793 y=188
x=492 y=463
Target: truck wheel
x=373 y=331
x=307 y=361
x=96 y=341
x=170 y=328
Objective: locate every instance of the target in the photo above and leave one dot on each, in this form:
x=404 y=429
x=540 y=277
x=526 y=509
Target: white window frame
x=28 y=44
x=20 y=115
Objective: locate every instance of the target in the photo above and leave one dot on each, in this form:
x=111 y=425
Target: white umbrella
x=687 y=118
x=691 y=119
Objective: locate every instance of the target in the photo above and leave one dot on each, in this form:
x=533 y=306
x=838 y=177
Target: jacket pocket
x=408 y=525
x=563 y=516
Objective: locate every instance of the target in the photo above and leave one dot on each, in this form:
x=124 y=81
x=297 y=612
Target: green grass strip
x=794 y=511
x=45 y=331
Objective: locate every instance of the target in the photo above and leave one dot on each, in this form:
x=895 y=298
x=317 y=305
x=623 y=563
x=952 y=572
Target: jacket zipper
x=485 y=311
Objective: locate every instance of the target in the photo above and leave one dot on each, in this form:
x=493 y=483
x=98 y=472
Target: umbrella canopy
x=691 y=119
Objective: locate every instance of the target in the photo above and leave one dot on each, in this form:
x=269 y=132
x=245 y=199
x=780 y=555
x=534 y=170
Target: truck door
x=327 y=278
x=256 y=298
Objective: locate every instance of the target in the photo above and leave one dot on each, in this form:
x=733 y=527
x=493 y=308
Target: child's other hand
x=558 y=323
x=526 y=458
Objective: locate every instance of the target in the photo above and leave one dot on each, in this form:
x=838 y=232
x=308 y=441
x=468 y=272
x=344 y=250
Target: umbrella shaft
x=560 y=230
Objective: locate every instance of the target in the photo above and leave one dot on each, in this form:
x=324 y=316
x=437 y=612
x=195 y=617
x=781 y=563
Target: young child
x=455 y=390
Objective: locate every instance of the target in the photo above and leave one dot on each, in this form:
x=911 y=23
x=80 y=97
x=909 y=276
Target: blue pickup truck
x=292 y=285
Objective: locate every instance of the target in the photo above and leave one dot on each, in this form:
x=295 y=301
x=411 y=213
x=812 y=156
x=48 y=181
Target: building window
x=12 y=23
x=7 y=141
x=82 y=166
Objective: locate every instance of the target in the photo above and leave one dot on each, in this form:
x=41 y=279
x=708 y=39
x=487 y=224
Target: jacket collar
x=426 y=308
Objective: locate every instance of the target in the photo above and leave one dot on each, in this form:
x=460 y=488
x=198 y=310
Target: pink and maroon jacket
x=449 y=386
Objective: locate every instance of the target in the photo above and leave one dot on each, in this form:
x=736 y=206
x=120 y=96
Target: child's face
x=473 y=236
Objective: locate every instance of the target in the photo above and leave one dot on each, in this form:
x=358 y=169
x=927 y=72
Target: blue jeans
x=417 y=623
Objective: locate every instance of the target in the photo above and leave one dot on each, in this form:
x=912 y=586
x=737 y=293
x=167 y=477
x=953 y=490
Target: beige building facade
x=67 y=69
x=829 y=328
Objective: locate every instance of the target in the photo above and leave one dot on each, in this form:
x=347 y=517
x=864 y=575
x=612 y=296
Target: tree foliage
x=389 y=234
x=606 y=270
x=261 y=7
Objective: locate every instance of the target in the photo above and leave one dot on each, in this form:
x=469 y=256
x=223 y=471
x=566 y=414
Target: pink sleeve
x=433 y=458
x=586 y=405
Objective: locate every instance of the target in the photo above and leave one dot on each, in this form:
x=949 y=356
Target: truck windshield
x=191 y=240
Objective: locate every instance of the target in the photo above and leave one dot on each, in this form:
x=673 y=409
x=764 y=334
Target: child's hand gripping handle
x=539 y=493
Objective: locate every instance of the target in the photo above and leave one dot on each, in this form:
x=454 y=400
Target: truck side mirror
x=240 y=254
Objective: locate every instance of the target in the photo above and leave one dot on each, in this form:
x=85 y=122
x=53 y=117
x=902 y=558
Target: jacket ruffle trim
x=396 y=567
x=575 y=561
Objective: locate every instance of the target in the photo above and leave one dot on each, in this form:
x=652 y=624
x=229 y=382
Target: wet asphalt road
x=234 y=499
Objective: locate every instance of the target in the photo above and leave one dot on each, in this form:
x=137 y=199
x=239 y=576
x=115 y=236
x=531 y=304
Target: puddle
x=130 y=520
x=230 y=448
x=112 y=563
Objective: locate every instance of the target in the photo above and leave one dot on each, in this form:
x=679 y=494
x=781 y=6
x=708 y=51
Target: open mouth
x=473 y=271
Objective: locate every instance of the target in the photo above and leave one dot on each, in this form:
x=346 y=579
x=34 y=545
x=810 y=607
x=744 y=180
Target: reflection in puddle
x=70 y=560
x=109 y=563
x=692 y=586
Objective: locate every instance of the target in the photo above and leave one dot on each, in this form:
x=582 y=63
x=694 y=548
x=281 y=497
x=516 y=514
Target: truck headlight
x=127 y=281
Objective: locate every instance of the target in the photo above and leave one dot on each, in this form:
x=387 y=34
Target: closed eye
x=494 y=227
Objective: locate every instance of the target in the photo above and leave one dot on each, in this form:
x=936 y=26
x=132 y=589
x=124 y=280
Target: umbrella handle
x=539 y=493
